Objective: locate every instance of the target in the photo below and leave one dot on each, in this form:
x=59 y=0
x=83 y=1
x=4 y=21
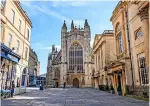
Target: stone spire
x=86 y=23
x=72 y=26
x=53 y=47
x=64 y=25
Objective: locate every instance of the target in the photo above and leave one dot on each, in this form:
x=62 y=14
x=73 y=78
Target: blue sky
x=47 y=18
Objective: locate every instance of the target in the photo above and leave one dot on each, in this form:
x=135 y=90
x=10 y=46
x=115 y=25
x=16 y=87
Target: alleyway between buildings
x=70 y=97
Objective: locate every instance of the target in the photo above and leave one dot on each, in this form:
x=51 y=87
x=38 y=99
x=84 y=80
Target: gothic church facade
x=72 y=65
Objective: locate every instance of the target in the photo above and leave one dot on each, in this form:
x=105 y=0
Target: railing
x=138 y=90
x=108 y=32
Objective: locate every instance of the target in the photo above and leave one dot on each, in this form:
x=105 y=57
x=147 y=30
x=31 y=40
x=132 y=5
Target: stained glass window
x=75 y=57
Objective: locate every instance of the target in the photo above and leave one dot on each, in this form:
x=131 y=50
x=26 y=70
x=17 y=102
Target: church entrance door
x=76 y=83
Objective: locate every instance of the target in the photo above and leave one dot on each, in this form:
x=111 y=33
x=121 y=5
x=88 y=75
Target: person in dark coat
x=12 y=90
x=64 y=84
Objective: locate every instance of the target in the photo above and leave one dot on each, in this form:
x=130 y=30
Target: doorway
x=119 y=88
x=76 y=83
x=56 y=84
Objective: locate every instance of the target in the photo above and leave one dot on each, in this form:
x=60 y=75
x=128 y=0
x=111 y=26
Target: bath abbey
x=71 y=66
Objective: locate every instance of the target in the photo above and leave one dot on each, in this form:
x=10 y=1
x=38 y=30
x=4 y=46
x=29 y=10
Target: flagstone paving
x=70 y=97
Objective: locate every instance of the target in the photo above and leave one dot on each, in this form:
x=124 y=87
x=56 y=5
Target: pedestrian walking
x=12 y=91
x=64 y=84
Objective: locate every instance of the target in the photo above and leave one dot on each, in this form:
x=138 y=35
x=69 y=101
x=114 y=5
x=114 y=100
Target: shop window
x=18 y=82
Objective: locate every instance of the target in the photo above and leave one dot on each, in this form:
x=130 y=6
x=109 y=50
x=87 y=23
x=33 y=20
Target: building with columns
x=104 y=52
x=131 y=32
x=125 y=65
x=72 y=64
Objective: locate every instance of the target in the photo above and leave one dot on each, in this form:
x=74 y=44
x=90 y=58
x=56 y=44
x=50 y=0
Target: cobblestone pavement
x=71 y=97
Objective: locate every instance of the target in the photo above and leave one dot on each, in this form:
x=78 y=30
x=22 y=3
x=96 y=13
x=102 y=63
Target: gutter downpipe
x=129 y=46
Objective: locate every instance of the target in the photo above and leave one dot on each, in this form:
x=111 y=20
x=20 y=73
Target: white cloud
x=40 y=46
x=78 y=22
x=65 y=3
x=92 y=41
x=38 y=9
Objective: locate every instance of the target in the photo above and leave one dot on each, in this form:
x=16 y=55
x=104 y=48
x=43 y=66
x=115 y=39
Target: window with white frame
x=28 y=34
x=18 y=45
x=120 y=43
x=12 y=16
x=26 y=53
x=9 y=40
x=119 y=38
x=20 y=25
x=142 y=69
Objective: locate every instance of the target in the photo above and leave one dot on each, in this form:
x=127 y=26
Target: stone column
x=95 y=62
x=143 y=13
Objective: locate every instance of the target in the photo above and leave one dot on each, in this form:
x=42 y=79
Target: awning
x=7 y=53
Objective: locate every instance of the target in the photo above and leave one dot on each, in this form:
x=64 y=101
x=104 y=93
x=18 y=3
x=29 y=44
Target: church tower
x=75 y=55
x=63 y=53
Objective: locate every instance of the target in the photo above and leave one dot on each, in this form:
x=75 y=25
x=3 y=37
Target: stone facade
x=32 y=67
x=129 y=70
x=104 y=52
x=38 y=68
x=74 y=60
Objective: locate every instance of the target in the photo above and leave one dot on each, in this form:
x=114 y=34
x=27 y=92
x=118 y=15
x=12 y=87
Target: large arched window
x=119 y=38
x=76 y=57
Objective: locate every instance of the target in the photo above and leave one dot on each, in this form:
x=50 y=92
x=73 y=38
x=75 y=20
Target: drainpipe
x=129 y=46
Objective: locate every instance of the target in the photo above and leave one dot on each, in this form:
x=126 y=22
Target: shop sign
x=13 y=58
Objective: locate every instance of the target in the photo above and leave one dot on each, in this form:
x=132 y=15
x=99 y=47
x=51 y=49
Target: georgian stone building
x=128 y=66
x=72 y=65
x=16 y=30
x=32 y=67
x=104 y=52
x=131 y=32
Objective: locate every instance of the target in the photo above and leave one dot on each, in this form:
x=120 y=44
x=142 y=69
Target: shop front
x=9 y=61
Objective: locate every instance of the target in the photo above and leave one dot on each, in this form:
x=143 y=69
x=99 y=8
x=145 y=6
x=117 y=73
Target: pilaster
x=143 y=13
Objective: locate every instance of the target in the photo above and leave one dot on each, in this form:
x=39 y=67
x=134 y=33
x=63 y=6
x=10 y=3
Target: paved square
x=71 y=97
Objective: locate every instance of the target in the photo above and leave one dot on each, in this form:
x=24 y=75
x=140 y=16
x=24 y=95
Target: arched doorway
x=76 y=83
